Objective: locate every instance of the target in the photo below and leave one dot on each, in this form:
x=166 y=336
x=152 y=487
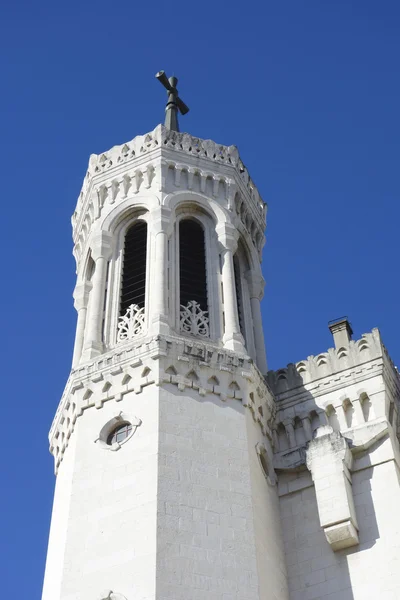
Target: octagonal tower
x=165 y=484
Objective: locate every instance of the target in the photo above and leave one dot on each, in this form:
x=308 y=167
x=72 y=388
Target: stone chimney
x=341 y=331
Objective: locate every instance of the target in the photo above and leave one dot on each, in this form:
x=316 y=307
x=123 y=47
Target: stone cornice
x=141 y=166
x=160 y=361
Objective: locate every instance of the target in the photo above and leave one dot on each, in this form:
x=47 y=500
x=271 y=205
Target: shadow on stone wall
x=327 y=510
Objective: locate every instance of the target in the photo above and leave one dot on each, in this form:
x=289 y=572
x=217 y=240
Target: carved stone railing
x=194 y=320
x=131 y=324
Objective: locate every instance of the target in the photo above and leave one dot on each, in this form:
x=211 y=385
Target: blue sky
x=309 y=92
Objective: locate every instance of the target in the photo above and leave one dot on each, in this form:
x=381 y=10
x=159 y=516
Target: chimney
x=341 y=331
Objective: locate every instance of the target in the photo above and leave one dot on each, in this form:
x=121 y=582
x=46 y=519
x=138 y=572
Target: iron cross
x=174 y=102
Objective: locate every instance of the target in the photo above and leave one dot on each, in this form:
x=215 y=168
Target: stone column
x=256 y=290
x=101 y=251
x=81 y=297
x=159 y=226
x=232 y=338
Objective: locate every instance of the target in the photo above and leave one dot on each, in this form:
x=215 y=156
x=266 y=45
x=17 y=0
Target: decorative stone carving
x=131 y=369
x=131 y=324
x=104 y=184
x=194 y=320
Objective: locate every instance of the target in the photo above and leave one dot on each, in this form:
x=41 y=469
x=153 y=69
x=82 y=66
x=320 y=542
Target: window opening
x=133 y=287
x=192 y=264
x=119 y=434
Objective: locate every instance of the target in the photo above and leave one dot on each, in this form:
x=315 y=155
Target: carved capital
x=81 y=294
x=256 y=284
x=160 y=220
x=101 y=245
x=227 y=237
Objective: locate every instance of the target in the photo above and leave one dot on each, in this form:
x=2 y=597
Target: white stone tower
x=162 y=443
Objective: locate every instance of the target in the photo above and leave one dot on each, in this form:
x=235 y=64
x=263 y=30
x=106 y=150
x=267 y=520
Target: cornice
x=140 y=165
x=161 y=361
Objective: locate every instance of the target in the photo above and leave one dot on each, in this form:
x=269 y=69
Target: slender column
x=256 y=290
x=233 y=339
x=101 y=251
x=81 y=297
x=160 y=223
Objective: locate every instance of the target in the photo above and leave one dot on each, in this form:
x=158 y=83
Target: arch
x=209 y=206
x=282 y=437
x=366 y=406
x=299 y=431
x=348 y=411
x=127 y=210
x=332 y=417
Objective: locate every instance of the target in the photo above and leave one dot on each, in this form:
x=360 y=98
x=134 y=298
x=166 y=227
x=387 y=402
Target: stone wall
x=364 y=572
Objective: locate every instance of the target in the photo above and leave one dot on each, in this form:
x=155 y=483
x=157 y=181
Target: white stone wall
x=267 y=526
x=206 y=545
x=181 y=510
x=59 y=527
x=110 y=542
x=367 y=571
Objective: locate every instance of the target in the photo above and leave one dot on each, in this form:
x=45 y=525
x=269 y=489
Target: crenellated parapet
x=161 y=361
x=162 y=162
x=342 y=388
x=327 y=364
x=337 y=413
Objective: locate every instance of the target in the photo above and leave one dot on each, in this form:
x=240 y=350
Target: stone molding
x=142 y=166
x=204 y=368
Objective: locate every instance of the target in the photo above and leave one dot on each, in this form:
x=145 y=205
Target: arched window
x=192 y=264
x=193 y=278
x=133 y=289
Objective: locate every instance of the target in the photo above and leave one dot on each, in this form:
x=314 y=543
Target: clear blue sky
x=309 y=92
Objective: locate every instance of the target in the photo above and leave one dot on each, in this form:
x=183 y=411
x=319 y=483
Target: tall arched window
x=133 y=289
x=193 y=278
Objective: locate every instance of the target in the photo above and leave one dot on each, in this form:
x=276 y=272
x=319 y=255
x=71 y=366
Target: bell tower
x=162 y=443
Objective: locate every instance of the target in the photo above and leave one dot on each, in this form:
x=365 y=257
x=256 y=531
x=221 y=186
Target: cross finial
x=174 y=102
